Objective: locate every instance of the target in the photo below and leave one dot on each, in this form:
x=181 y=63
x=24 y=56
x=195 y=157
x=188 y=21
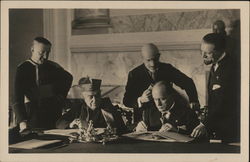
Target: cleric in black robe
x=93 y=108
x=41 y=87
x=142 y=78
x=168 y=113
x=223 y=120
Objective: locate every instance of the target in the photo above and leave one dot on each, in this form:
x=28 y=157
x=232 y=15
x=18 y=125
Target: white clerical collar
x=32 y=62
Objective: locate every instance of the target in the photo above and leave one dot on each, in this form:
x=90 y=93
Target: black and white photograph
x=106 y=80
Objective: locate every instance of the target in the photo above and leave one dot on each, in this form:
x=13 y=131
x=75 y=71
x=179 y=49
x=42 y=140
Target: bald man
x=142 y=78
x=170 y=113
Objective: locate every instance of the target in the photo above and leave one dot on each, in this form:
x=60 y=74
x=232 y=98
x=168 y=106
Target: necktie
x=153 y=76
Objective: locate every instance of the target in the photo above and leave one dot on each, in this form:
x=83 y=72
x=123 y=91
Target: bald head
x=162 y=88
x=149 y=49
x=150 y=55
x=163 y=96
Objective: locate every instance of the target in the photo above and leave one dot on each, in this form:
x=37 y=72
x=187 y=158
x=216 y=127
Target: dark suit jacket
x=107 y=113
x=180 y=115
x=45 y=96
x=224 y=100
x=139 y=80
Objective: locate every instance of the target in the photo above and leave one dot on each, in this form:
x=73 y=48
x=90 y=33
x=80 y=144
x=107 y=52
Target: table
x=127 y=145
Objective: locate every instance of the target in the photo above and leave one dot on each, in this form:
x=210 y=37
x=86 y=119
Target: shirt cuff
x=23 y=125
x=139 y=102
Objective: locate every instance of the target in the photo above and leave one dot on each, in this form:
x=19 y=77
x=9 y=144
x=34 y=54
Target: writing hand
x=168 y=127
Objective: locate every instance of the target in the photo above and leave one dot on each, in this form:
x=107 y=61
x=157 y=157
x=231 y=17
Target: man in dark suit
x=142 y=78
x=41 y=87
x=223 y=120
x=169 y=113
x=93 y=108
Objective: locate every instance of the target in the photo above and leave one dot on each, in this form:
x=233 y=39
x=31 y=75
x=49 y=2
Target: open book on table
x=159 y=136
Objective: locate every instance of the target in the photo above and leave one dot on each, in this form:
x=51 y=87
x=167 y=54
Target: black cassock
x=40 y=91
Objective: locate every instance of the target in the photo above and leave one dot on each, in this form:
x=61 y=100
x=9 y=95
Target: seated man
x=168 y=113
x=94 y=108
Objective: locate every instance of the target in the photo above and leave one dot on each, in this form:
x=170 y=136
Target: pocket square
x=216 y=86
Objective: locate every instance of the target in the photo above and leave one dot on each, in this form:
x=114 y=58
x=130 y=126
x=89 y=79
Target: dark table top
x=127 y=145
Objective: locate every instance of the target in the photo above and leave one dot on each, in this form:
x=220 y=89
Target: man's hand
x=76 y=123
x=24 y=130
x=141 y=127
x=146 y=95
x=199 y=131
x=168 y=127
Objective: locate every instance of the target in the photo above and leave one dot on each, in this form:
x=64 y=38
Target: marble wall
x=113 y=68
x=171 y=20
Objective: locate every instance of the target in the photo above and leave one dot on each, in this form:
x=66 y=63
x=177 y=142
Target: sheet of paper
x=34 y=143
x=147 y=136
x=173 y=135
x=68 y=132
x=63 y=132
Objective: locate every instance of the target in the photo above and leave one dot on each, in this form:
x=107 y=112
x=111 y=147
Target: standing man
x=41 y=86
x=142 y=78
x=223 y=118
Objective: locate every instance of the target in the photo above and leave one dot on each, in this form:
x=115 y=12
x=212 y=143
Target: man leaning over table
x=142 y=78
x=93 y=108
x=168 y=113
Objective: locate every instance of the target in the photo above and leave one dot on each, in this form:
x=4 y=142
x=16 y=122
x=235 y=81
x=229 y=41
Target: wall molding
x=132 y=42
x=134 y=47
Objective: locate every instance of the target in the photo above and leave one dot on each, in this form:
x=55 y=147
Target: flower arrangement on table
x=91 y=134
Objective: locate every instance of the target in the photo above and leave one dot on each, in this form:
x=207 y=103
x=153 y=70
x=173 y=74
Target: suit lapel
x=147 y=75
x=209 y=78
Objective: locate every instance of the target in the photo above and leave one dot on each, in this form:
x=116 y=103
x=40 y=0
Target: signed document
x=175 y=136
x=62 y=132
x=159 y=136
